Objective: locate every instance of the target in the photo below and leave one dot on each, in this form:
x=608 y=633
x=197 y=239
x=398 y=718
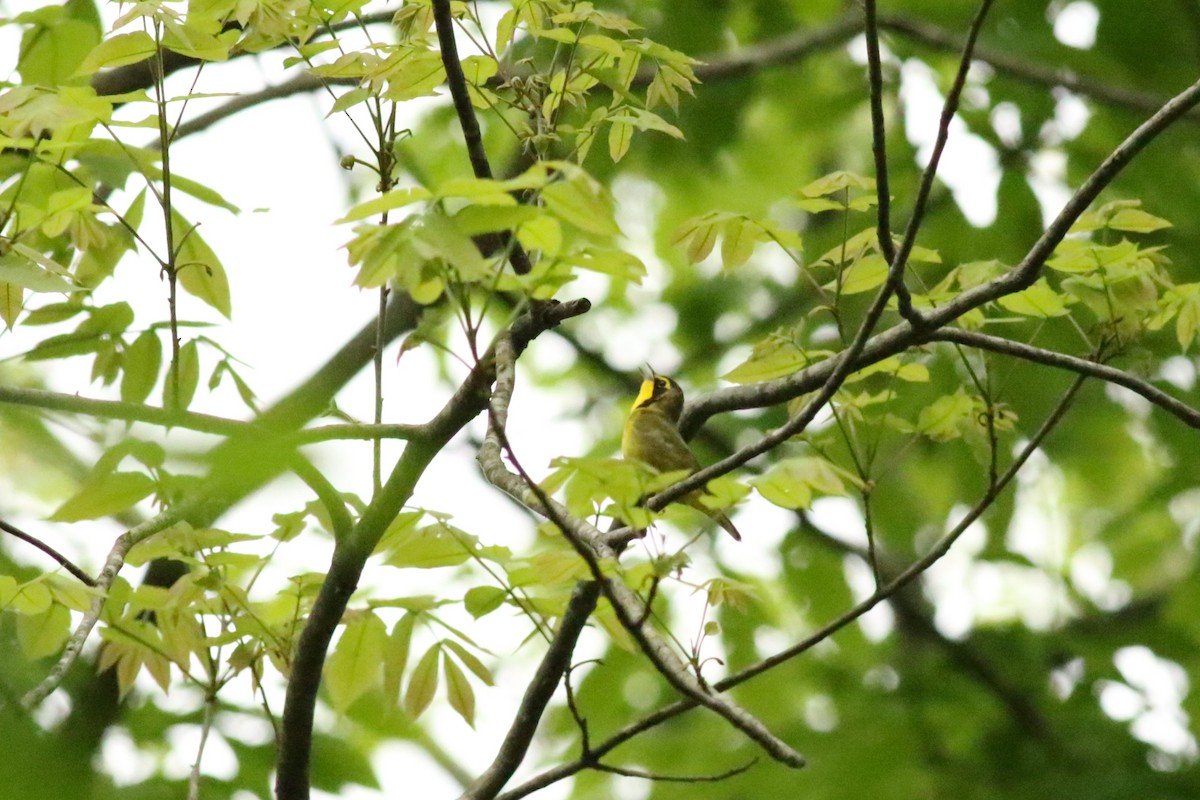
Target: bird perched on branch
x=652 y=437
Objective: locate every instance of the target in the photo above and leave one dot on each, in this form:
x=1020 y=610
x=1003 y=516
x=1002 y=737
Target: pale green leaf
x=353 y=668
x=459 y=691
x=12 y=298
x=471 y=662
x=1039 y=300
x=24 y=598
x=620 y=136
x=396 y=198
x=737 y=242
x=483 y=600
x=584 y=204
x=182 y=378
x=423 y=683
x=20 y=271
x=1135 y=220
x=104 y=495
x=437 y=545
x=117 y=51
x=863 y=275
x=395 y=657
x=44 y=634
x=200 y=272
x=140 y=367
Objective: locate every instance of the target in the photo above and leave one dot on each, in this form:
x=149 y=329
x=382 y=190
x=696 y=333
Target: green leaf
x=349 y=99
x=190 y=40
x=483 y=600
x=423 y=683
x=413 y=73
x=396 y=198
x=197 y=190
x=459 y=691
x=51 y=53
x=44 y=634
x=737 y=242
x=437 y=545
x=836 y=182
x=339 y=761
x=18 y=270
x=199 y=270
x=608 y=261
x=117 y=51
x=1039 y=300
x=471 y=662
x=542 y=233
x=12 y=299
x=701 y=235
x=143 y=360
x=24 y=598
x=354 y=666
x=774 y=357
x=104 y=495
x=395 y=657
x=584 y=203
x=863 y=275
x=1188 y=320
x=945 y=418
x=182 y=378
x=1135 y=220
x=620 y=136
x=792 y=482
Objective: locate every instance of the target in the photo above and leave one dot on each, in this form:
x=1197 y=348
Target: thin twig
x=65 y=562
x=878 y=136
x=210 y=706
x=660 y=778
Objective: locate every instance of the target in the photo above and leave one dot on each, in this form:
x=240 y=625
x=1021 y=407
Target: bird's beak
x=647 y=371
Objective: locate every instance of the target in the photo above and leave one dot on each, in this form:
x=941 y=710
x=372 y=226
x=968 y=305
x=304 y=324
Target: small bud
x=348 y=162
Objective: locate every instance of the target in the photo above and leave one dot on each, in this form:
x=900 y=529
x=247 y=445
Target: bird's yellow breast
x=651 y=438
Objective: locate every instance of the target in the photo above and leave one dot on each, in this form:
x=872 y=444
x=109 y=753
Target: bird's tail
x=725 y=522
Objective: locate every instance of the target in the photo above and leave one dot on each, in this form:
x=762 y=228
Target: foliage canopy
x=958 y=425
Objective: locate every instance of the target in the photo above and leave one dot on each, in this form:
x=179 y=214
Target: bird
x=651 y=437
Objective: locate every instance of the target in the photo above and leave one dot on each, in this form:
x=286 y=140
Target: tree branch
x=982 y=341
x=127 y=412
x=65 y=562
x=878 y=136
x=457 y=82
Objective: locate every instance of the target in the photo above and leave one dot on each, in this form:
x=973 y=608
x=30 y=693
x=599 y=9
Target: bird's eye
x=663 y=383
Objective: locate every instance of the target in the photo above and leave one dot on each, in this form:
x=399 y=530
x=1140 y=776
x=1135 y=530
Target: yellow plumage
x=652 y=437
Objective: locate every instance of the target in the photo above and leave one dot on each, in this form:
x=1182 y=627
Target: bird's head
x=662 y=394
